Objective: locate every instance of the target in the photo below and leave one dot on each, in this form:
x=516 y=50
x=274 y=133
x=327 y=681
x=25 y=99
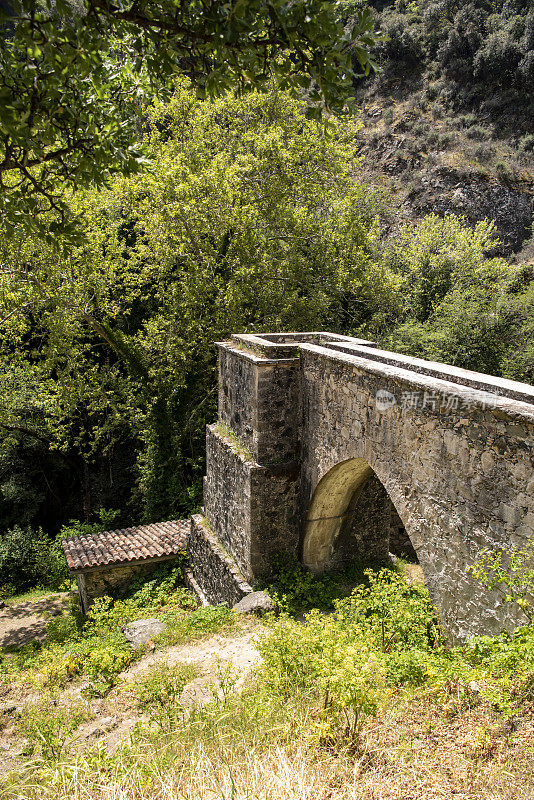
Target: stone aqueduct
x=329 y=449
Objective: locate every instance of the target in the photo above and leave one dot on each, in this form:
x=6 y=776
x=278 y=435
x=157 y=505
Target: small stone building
x=105 y=563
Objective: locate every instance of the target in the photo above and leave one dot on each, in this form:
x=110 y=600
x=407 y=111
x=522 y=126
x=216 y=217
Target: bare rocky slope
x=448 y=122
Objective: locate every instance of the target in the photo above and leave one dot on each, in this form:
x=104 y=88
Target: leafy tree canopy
x=250 y=219
x=75 y=78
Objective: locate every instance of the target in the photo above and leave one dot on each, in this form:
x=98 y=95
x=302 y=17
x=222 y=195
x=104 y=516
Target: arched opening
x=352 y=518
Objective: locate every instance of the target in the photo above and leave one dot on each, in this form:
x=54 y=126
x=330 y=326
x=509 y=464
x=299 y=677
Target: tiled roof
x=126 y=546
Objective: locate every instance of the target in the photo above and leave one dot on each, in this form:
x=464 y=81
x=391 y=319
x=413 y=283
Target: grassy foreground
x=364 y=702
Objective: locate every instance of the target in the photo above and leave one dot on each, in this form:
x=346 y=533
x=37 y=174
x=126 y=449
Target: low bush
x=509 y=572
x=49 y=726
x=195 y=624
x=388 y=628
x=485 y=152
x=65 y=628
x=159 y=692
x=478 y=133
x=526 y=143
x=94 y=645
x=24 y=556
x=295 y=589
x=30 y=559
x=383 y=633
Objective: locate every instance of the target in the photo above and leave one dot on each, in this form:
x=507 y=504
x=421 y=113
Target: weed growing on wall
x=511 y=573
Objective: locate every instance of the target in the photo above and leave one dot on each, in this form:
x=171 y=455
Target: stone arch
x=349 y=496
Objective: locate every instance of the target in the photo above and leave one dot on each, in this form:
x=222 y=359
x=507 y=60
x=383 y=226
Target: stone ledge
x=214 y=570
x=189 y=580
x=286 y=345
x=435 y=369
x=482 y=400
x=259 y=355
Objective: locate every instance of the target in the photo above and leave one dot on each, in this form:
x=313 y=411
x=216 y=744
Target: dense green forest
x=242 y=213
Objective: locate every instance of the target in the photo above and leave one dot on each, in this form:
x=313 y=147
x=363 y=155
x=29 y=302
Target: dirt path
x=222 y=664
x=21 y=623
x=217 y=660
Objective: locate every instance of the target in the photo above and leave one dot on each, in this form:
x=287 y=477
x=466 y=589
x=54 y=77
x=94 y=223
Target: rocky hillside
x=448 y=122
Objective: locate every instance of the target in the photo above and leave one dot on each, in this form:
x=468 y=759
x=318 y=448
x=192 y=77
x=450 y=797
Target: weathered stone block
x=142 y=631
x=258 y=402
x=253 y=510
x=214 y=568
x=114 y=581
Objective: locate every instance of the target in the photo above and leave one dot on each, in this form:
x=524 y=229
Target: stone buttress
x=251 y=489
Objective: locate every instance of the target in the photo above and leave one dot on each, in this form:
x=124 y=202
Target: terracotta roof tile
x=110 y=548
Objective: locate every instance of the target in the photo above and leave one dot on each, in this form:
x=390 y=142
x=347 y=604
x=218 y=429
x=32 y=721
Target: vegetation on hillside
x=448 y=119
x=477 y=55
x=76 y=77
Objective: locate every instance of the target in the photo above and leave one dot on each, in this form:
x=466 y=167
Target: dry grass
x=417 y=749
x=251 y=741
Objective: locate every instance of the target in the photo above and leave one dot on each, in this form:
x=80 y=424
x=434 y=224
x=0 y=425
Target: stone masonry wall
x=214 y=569
x=364 y=536
x=253 y=510
x=227 y=488
x=259 y=403
x=399 y=541
x=460 y=480
x=113 y=581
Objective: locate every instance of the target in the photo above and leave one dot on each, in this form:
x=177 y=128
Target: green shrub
x=405 y=38
x=392 y=612
x=146 y=596
x=105 y=660
x=105 y=519
x=421 y=128
x=484 y=153
x=503 y=169
x=49 y=726
x=461 y=306
x=159 y=692
x=29 y=559
x=526 y=143
x=497 y=61
x=295 y=589
x=386 y=632
x=510 y=572
x=63 y=629
x=330 y=658
x=467 y=120
x=24 y=556
x=478 y=133
x=445 y=140
x=185 y=626
x=408 y=667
